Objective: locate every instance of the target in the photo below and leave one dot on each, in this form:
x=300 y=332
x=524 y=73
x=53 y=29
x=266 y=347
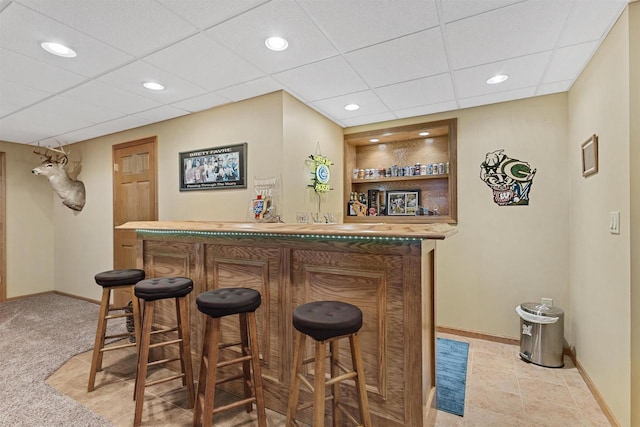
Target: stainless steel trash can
x=542 y=334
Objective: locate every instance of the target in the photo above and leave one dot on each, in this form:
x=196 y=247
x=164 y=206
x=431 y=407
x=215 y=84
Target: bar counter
x=387 y=270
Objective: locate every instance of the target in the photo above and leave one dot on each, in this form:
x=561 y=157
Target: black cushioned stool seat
x=110 y=281
x=119 y=277
x=322 y=320
x=327 y=322
x=227 y=301
x=217 y=304
x=151 y=291
x=164 y=287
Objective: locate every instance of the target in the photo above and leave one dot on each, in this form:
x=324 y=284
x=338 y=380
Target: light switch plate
x=614 y=222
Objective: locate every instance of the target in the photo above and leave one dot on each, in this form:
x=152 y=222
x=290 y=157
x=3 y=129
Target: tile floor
x=501 y=391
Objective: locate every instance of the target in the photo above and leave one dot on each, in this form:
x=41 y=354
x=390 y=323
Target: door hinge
x=115 y=167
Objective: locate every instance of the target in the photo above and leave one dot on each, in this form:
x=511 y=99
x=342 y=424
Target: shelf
x=424 y=143
x=400 y=178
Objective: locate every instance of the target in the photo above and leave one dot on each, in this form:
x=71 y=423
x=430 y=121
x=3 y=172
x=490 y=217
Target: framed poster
x=403 y=202
x=590 y=156
x=214 y=168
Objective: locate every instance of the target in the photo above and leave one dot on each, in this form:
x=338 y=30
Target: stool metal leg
x=96 y=360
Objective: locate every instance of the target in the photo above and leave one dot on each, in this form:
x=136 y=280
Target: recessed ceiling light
x=374 y=140
x=276 y=43
x=498 y=78
x=423 y=133
x=153 y=86
x=351 y=107
x=58 y=49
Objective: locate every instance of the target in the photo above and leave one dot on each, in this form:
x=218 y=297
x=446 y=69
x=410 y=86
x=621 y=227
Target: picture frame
x=214 y=168
x=402 y=202
x=590 y=156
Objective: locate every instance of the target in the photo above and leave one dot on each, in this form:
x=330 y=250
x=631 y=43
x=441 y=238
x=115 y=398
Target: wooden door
x=3 y=230
x=134 y=198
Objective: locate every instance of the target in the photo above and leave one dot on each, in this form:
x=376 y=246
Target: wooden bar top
x=401 y=231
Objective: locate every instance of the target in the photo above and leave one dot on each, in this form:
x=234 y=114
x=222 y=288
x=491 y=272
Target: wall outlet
x=547 y=301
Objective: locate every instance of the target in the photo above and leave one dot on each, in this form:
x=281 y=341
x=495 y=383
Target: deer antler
x=52 y=154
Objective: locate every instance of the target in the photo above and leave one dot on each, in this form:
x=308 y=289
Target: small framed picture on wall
x=590 y=156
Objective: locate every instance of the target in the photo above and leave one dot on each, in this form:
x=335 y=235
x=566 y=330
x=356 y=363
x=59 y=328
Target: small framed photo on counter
x=403 y=202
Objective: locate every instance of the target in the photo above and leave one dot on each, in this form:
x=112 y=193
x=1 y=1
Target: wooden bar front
x=385 y=270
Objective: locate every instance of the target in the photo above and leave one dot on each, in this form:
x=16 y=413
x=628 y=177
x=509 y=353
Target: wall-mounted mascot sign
x=321 y=173
x=510 y=179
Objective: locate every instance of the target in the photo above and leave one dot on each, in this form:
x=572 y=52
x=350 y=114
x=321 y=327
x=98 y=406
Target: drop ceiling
x=395 y=58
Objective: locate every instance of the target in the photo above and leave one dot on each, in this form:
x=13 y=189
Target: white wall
x=30 y=226
x=306 y=131
x=600 y=262
x=503 y=256
x=84 y=244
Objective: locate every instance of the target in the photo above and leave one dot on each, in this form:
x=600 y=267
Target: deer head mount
x=53 y=165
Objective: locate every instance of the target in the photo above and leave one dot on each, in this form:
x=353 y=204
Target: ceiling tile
x=402 y=59
x=589 y=20
x=567 y=62
x=18 y=96
x=323 y=79
x=93 y=56
x=430 y=90
x=426 y=109
x=106 y=128
x=251 y=89
x=363 y=120
x=111 y=98
x=43 y=124
x=555 y=87
x=513 y=31
x=133 y=26
x=201 y=102
x=205 y=13
x=459 y=9
x=358 y=23
x=131 y=77
x=246 y=34
x=84 y=111
x=523 y=72
x=494 y=98
x=161 y=113
x=367 y=100
x=216 y=69
x=31 y=73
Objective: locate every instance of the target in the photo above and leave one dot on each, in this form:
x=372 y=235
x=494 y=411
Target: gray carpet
x=37 y=335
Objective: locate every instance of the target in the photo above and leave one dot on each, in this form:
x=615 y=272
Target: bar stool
x=217 y=304
x=112 y=280
x=327 y=322
x=151 y=291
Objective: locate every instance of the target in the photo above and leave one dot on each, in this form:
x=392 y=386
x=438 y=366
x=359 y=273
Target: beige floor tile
x=492 y=361
x=501 y=391
x=478 y=417
x=495 y=400
x=504 y=380
x=559 y=394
